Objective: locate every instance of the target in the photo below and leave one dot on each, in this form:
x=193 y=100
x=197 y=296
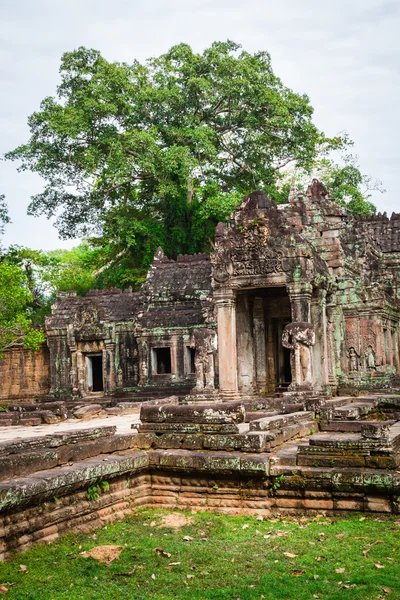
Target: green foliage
x=153 y=154
x=15 y=321
x=223 y=560
x=94 y=491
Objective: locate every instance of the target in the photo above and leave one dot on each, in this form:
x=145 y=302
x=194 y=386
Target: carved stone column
x=245 y=344
x=227 y=353
x=259 y=344
x=109 y=380
x=319 y=320
x=333 y=355
x=300 y=293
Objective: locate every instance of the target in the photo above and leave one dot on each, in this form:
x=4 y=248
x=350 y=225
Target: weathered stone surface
x=226 y=412
x=44 y=485
x=279 y=421
x=89 y=411
x=56 y=439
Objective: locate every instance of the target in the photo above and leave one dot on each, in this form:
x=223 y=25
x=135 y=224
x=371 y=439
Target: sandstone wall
x=74 y=513
x=24 y=375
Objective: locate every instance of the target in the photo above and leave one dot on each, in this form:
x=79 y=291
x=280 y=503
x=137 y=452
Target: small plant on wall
x=94 y=491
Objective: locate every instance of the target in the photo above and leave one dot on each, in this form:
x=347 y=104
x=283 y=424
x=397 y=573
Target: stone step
x=224 y=412
x=279 y=421
x=286 y=455
x=54 y=440
x=342 y=441
x=341 y=426
x=298 y=430
x=244 y=441
x=355 y=410
x=260 y=414
x=29 y=462
x=45 y=485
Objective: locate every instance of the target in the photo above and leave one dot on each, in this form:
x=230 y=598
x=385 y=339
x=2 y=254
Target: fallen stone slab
x=226 y=412
x=89 y=411
x=58 y=408
x=56 y=439
x=212 y=462
x=216 y=428
x=27 y=463
x=279 y=421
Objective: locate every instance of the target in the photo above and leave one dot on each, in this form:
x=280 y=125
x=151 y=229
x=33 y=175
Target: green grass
x=228 y=558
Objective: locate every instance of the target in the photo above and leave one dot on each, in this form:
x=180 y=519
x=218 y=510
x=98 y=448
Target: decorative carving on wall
x=352 y=335
x=369 y=337
x=256 y=261
x=370 y=358
x=204 y=341
x=299 y=337
x=353 y=360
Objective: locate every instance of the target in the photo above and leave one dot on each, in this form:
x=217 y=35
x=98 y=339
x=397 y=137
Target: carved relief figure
x=353 y=359
x=204 y=341
x=299 y=337
x=370 y=358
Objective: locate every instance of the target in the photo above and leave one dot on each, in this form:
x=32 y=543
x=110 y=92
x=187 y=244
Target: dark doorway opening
x=163 y=360
x=97 y=373
x=190 y=359
x=286 y=366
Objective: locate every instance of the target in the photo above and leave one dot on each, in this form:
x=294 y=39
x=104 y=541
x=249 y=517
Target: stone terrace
x=254 y=457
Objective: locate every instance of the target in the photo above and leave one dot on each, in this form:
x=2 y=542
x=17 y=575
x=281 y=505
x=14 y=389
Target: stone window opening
x=94 y=365
x=190 y=356
x=162 y=360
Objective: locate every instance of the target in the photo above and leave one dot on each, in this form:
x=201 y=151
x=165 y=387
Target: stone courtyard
x=262 y=378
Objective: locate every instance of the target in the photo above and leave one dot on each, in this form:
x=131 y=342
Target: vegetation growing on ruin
x=215 y=557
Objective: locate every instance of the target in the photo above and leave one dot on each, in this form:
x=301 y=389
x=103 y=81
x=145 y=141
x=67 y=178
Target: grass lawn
x=215 y=557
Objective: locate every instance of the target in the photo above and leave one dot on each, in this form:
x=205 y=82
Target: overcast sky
x=345 y=54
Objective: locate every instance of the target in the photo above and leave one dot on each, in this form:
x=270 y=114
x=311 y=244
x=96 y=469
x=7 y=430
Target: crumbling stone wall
x=25 y=375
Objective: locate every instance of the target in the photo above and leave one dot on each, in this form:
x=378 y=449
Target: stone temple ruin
x=267 y=374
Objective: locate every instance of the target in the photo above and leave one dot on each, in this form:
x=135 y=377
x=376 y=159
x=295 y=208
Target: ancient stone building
x=301 y=298
x=111 y=341
x=311 y=276
x=296 y=306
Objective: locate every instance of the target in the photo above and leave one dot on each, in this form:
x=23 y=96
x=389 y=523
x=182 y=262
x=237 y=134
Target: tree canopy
x=140 y=155
x=15 y=301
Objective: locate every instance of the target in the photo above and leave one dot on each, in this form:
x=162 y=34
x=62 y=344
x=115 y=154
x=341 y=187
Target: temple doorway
x=263 y=363
x=94 y=366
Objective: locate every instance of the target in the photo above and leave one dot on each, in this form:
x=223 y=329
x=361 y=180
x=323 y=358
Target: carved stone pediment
x=86 y=322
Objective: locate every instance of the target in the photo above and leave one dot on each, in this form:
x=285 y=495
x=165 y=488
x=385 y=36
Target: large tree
x=153 y=154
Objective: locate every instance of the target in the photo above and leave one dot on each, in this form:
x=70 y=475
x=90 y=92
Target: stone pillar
x=320 y=351
x=300 y=293
x=300 y=300
x=333 y=355
x=109 y=379
x=81 y=373
x=74 y=369
x=245 y=344
x=390 y=343
x=225 y=302
x=396 y=347
x=259 y=344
